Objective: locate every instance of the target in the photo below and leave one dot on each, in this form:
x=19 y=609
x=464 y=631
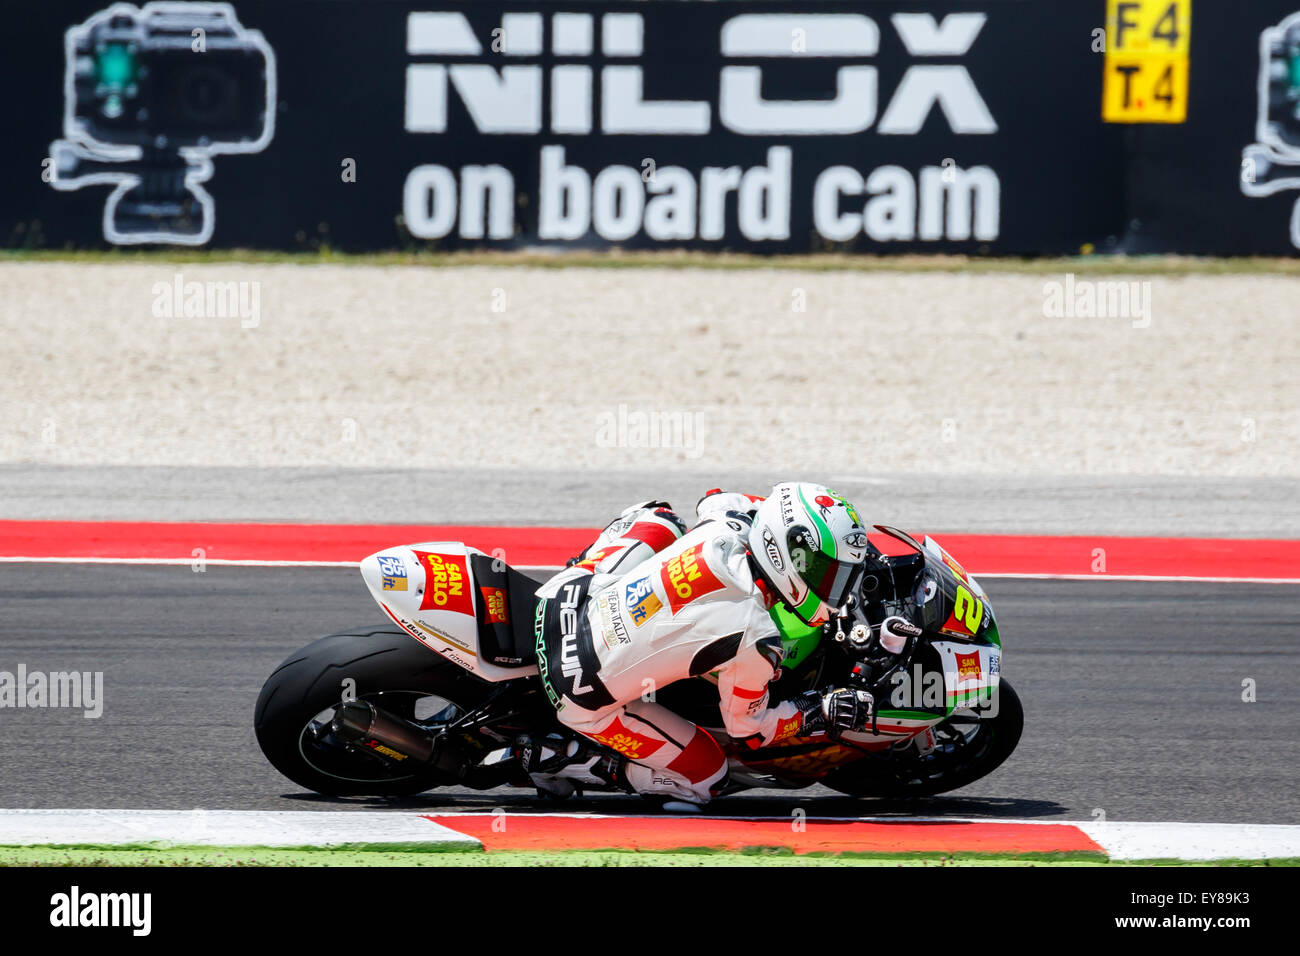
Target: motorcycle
x=448 y=694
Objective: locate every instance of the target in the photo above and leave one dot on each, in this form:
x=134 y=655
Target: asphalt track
x=1133 y=693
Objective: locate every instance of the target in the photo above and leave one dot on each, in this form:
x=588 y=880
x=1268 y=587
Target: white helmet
x=810 y=545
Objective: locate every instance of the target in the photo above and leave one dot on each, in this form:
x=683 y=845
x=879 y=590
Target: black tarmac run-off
x=1133 y=695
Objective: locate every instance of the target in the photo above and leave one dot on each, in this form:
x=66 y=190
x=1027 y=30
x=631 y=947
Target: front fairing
x=956 y=662
x=950 y=608
x=930 y=589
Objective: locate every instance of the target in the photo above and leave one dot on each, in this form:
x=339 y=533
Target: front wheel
x=382 y=665
x=969 y=746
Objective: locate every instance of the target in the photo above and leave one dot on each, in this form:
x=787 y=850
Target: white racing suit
x=649 y=606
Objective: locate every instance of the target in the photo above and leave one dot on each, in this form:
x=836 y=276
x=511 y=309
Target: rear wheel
x=969 y=746
x=382 y=665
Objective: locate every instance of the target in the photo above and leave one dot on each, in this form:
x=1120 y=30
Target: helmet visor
x=830 y=579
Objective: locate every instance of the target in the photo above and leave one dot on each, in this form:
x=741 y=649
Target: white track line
x=1133 y=577
x=260 y=563
x=1194 y=841
x=224 y=828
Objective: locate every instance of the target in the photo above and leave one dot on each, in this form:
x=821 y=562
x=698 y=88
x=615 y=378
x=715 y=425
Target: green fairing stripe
x=823 y=531
x=908 y=714
x=954 y=698
x=991 y=630
x=798 y=639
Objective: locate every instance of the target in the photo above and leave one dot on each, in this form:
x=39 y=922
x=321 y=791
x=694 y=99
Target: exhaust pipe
x=360 y=722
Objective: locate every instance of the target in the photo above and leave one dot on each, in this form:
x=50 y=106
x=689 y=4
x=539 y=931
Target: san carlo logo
x=585 y=75
x=445 y=581
x=151 y=94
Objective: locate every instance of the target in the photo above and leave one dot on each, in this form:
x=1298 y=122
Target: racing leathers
x=648 y=606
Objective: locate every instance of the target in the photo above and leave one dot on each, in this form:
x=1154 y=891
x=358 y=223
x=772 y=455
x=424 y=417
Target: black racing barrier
x=1001 y=127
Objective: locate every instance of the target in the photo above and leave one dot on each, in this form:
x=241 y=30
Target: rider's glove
x=834 y=712
x=846 y=711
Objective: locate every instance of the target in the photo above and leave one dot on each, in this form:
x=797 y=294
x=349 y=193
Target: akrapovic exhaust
x=361 y=722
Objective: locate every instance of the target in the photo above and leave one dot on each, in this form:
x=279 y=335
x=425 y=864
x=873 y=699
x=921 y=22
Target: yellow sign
x=1147 y=62
x=1162 y=27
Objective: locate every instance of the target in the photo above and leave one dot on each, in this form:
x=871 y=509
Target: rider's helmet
x=810 y=545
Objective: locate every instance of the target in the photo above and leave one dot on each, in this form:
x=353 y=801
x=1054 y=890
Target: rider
x=648 y=605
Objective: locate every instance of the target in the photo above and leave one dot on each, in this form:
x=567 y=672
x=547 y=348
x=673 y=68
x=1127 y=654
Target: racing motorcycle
x=448 y=693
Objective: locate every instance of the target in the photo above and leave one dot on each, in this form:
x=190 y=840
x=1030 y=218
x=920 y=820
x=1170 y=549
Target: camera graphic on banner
x=151 y=94
x=1272 y=164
